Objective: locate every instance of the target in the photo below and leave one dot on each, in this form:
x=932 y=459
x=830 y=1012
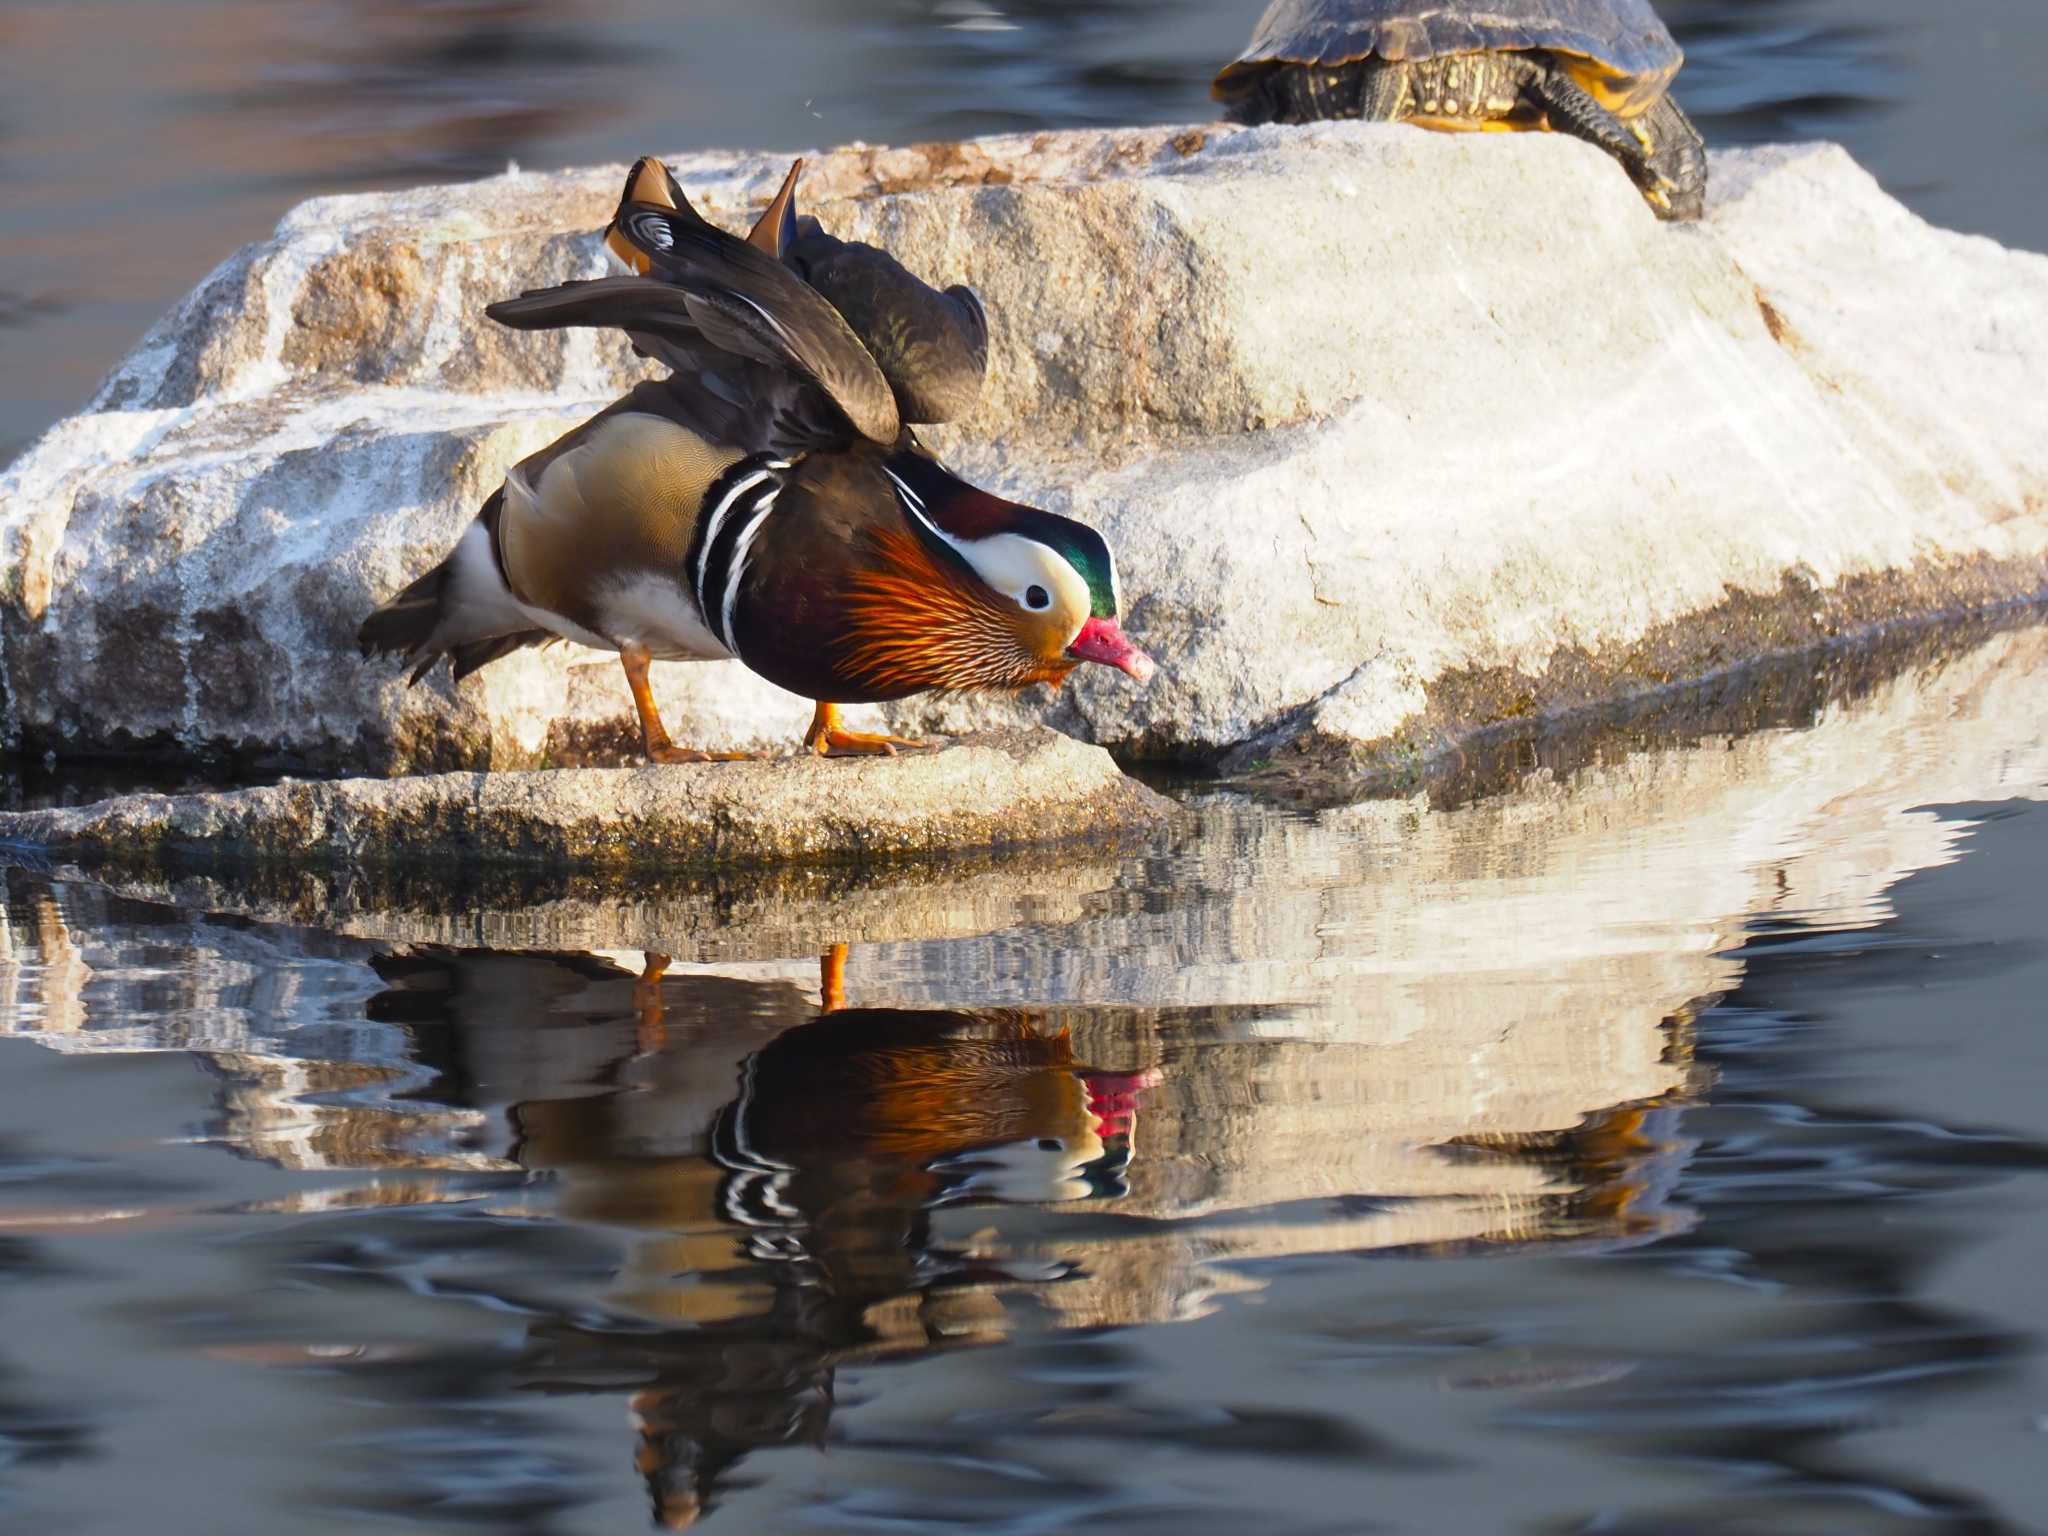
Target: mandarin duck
x=767 y=501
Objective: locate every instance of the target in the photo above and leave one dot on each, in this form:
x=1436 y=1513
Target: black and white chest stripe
x=735 y=506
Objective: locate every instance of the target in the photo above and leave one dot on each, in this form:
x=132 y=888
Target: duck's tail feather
x=435 y=616
x=406 y=625
x=465 y=659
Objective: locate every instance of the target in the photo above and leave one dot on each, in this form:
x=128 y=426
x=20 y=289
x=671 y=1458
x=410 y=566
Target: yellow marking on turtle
x=1625 y=96
x=1487 y=117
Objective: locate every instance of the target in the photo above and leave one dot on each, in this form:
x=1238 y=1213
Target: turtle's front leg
x=1570 y=109
x=1677 y=150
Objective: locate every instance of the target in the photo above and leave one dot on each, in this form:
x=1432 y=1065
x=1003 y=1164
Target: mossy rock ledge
x=1016 y=788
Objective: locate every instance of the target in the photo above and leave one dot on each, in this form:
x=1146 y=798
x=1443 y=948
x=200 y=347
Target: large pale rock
x=1396 y=434
x=991 y=792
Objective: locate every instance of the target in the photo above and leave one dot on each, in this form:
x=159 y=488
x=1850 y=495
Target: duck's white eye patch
x=1030 y=574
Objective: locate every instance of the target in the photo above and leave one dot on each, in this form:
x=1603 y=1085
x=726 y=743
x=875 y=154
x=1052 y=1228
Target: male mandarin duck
x=766 y=501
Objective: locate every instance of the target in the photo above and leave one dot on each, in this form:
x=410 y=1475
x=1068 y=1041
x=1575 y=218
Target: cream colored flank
x=594 y=550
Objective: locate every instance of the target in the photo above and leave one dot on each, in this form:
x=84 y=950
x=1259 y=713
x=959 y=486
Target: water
x=1635 y=1131
x=141 y=141
x=1652 y=1143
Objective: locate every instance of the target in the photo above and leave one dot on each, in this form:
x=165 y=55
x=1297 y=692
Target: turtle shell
x=1628 y=55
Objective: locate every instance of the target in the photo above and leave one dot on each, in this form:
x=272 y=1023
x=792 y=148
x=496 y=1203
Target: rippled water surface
x=141 y=141
x=1655 y=1145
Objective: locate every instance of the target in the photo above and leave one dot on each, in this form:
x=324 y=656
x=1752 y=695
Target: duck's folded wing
x=763 y=313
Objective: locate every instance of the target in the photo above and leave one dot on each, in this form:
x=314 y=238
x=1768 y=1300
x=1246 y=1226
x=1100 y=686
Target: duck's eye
x=1037 y=598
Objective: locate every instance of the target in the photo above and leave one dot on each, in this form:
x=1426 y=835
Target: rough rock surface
x=1396 y=434
x=990 y=792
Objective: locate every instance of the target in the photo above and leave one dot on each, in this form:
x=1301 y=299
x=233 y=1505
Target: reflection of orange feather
x=989 y=1080
x=914 y=625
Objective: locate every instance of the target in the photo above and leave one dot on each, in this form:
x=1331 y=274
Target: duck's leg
x=1570 y=109
x=653 y=737
x=828 y=738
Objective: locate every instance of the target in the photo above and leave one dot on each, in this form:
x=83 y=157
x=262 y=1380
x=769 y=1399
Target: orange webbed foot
x=827 y=738
x=837 y=743
x=668 y=752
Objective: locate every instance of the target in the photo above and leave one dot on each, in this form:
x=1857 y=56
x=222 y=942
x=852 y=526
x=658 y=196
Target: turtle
x=1599 y=70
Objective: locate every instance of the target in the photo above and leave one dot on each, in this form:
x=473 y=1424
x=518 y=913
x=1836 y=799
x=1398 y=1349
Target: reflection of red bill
x=1113 y=1098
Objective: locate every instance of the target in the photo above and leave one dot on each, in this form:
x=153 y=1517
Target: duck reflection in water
x=795 y=1216
x=805 y=1186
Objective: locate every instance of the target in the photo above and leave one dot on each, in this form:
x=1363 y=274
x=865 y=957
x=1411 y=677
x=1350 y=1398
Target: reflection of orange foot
x=650 y=1031
x=828 y=739
x=678 y=1510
